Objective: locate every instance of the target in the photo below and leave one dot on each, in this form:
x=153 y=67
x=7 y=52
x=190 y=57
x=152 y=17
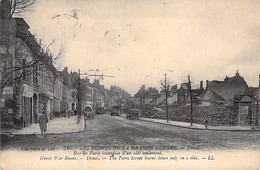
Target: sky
x=138 y=41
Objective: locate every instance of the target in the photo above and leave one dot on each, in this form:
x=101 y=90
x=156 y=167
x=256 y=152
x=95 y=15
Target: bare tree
x=165 y=87
x=191 y=102
x=18 y=7
x=57 y=59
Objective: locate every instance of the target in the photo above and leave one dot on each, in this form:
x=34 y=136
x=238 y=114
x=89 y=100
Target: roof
x=212 y=95
x=68 y=80
x=184 y=86
x=21 y=22
x=141 y=93
x=246 y=99
x=227 y=89
x=149 y=93
x=31 y=42
x=174 y=88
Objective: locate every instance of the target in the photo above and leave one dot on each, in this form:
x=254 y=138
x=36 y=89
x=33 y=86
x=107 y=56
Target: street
x=114 y=130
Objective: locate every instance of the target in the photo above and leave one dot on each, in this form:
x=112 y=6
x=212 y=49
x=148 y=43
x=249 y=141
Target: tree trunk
x=167 y=114
x=1 y=90
x=191 y=102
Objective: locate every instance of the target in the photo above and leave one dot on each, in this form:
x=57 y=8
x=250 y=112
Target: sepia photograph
x=132 y=84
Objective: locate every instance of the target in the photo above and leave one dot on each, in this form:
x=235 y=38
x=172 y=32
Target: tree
x=165 y=87
x=57 y=59
x=191 y=102
x=18 y=7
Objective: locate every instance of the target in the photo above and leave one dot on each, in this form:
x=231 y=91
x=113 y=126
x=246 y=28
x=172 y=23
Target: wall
x=216 y=115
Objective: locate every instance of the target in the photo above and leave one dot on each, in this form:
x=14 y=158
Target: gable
x=246 y=99
x=211 y=95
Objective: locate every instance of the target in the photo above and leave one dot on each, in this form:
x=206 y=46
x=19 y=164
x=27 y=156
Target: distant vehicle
x=134 y=114
x=115 y=111
x=89 y=112
x=158 y=110
x=100 y=110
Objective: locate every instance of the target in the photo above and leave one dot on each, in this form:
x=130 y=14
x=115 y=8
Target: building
x=224 y=91
x=171 y=98
x=69 y=95
x=183 y=93
x=256 y=90
x=86 y=93
x=30 y=90
x=58 y=86
x=145 y=97
x=100 y=96
x=119 y=97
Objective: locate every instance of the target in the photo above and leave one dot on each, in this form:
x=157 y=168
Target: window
x=24 y=70
x=60 y=90
x=35 y=75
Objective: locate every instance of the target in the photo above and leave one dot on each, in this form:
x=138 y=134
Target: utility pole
x=257 y=114
x=79 y=105
x=191 y=102
x=166 y=89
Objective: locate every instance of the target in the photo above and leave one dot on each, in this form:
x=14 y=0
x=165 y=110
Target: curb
x=195 y=128
x=40 y=134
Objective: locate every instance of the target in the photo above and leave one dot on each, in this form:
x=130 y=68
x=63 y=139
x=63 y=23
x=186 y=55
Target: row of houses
x=215 y=92
x=151 y=96
x=230 y=100
x=35 y=85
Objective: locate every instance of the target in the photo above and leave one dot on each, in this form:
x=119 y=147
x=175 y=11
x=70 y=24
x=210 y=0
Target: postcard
x=138 y=84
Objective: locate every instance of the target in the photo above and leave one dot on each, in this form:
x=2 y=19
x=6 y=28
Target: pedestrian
x=43 y=120
x=69 y=114
x=85 y=113
x=206 y=123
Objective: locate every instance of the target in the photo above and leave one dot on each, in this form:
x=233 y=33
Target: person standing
x=85 y=114
x=43 y=120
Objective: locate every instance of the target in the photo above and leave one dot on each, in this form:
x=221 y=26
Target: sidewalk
x=199 y=126
x=55 y=126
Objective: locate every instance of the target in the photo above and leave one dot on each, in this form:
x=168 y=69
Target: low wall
x=215 y=115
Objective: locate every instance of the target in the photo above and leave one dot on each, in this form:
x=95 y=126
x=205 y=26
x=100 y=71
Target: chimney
x=143 y=87
x=201 y=84
x=96 y=82
x=237 y=74
x=87 y=80
x=66 y=69
x=207 y=82
x=226 y=79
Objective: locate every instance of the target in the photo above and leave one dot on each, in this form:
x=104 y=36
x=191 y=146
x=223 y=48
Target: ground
x=114 y=130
